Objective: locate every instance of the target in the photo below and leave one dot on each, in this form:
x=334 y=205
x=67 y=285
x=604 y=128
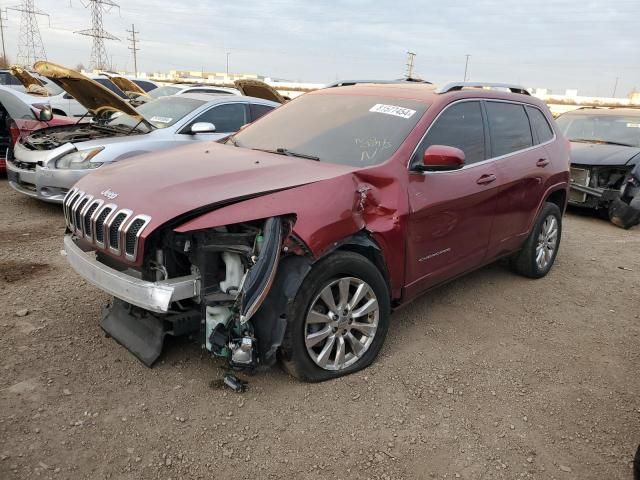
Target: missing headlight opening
x=235 y=267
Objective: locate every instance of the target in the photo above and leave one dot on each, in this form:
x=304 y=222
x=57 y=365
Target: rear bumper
x=153 y=296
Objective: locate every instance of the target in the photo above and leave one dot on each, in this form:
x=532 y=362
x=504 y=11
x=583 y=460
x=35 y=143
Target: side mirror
x=45 y=115
x=203 y=127
x=438 y=158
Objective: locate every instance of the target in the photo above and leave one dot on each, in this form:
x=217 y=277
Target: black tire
x=295 y=358
x=524 y=262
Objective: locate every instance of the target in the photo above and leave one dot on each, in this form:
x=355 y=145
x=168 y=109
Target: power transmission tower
x=99 y=59
x=30 y=46
x=133 y=47
x=410 y=60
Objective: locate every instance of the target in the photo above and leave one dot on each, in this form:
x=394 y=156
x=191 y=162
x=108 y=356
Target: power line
x=30 y=46
x=99 y=59
x=134 y=47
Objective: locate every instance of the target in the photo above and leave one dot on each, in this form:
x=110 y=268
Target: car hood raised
x=601 y=154
x=195 y=178
x=91 y=95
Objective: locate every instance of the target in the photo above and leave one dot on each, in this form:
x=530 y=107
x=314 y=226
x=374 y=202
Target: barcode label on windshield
x=394 y=110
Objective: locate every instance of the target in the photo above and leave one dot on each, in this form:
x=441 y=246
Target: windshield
x=604 y=128
x=164 y=91
x=161 y=113
x=349 y=130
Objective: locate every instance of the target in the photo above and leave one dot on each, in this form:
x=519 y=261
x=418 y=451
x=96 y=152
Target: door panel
x=450 y=222
x=521 y=168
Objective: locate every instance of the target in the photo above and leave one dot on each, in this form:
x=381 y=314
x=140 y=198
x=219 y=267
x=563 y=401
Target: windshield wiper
x=288 y=153
x=602 y=142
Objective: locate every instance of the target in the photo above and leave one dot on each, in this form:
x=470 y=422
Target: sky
x=554 y=44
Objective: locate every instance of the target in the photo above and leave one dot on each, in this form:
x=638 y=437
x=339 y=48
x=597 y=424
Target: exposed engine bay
x=612 y=189
x=53 y=137
x=236 y=266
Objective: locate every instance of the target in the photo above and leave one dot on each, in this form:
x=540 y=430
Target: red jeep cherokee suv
x=296 y=238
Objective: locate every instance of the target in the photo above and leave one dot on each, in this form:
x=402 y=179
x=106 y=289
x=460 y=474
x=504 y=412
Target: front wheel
x=539 y=251
x=338 y=320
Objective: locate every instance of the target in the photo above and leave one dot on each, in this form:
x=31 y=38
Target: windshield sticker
x=394 y=110
x=161 y=119
x=633 y=125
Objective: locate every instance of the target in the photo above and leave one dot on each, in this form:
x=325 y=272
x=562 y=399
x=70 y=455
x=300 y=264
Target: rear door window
x=258 y=110
x=540 y=125
x=509 y=128
x=460 y=126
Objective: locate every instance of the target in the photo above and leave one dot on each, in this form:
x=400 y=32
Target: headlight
x=79 y=160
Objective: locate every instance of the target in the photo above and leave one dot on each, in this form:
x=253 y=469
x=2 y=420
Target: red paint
x=22 y=127
x=443 y=157
x=430 y=226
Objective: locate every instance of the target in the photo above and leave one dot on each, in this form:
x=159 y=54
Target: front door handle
x=486 y=179
x=543 y=162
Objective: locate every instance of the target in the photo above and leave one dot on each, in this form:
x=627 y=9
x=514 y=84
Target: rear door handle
x=543 y=162
x=486 y=179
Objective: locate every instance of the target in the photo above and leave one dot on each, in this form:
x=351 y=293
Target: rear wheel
x=338 y=320
x=539 y=251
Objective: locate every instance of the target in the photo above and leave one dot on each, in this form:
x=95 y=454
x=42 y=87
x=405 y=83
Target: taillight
x=14 y=132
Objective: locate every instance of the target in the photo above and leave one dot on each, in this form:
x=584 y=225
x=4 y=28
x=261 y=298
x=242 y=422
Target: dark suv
x=296 y=238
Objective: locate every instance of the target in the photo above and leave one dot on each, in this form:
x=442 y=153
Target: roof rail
x=347 y=83
x=454 y=86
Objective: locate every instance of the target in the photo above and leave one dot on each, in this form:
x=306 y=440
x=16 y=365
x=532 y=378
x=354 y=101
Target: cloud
x=550 y=43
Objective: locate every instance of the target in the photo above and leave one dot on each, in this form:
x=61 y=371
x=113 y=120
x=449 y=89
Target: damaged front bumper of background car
x=207 y=284
x=614 y=189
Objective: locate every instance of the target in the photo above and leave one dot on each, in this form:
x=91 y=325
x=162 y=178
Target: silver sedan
x=47 y=163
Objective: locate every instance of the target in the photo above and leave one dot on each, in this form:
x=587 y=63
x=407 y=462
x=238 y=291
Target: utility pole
x=30 y=47
x=2 y=27
x=410 y=61
x=466 y=67
x=615 y=87
x=99 y=59
x=133 y=47
x=228 y=53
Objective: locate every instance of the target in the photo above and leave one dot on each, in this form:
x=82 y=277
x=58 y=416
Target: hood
x=171 y=183
x=258 y=89
x=601 y=154
x=124 y=84
x=31 y=84
x=91 y=95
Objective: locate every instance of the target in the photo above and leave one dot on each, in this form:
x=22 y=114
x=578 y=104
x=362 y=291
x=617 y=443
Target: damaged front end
x=612 y=189
x=207 y=284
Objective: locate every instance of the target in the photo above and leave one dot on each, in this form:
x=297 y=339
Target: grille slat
x=114 y=230
x=100 y=224
x=87 y=218
x=77 y=213
x=132 y=236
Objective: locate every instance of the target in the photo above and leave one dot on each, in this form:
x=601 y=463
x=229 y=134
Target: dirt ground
x=490 y=377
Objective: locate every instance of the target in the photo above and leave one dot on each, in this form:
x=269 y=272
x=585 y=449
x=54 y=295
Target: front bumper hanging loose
x=153 y=296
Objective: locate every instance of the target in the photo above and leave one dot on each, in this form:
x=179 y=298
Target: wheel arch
x=364 y=244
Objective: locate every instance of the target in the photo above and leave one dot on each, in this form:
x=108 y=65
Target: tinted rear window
x=509 y=127
x=540 y=125
x=350 y=130
x=111 y=86
x=258 y=111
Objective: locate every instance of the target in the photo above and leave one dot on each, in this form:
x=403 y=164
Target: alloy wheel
x=547 y=242
x=341 y=323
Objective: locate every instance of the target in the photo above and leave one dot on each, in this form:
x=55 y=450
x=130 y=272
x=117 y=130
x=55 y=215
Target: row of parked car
x=294 y=238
